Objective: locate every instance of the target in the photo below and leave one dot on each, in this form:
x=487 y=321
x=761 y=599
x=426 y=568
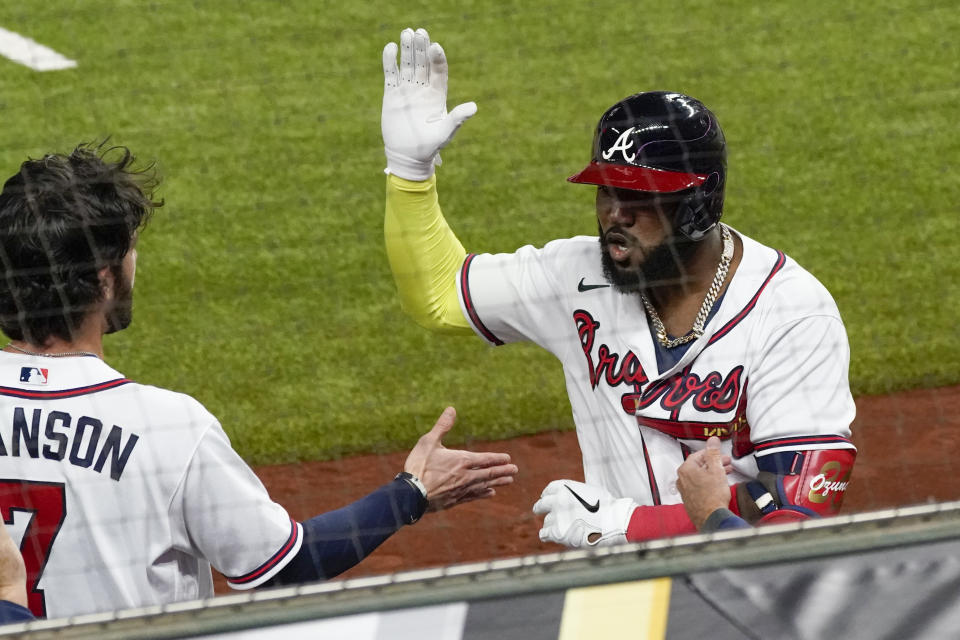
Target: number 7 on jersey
x=34 y=513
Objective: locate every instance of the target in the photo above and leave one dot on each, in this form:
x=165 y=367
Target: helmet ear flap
x=700 y=211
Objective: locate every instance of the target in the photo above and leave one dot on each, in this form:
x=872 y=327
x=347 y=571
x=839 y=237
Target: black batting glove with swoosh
x=581 y=515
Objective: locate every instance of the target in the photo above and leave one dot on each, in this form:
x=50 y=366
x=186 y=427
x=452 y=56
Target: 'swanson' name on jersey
x=83 y=441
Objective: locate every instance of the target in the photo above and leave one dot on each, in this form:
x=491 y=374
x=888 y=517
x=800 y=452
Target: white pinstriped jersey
x=769 y=374
x=122 y=495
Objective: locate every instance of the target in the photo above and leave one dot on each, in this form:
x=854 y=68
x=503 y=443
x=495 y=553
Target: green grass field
x=263 y=286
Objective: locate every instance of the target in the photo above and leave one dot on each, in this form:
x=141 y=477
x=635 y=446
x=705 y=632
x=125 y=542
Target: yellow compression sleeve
x=424 y=255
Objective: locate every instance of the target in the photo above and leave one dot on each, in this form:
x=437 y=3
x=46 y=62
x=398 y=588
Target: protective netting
x=263 y=288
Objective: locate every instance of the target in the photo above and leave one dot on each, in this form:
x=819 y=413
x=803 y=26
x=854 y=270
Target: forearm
x=792 y=486
x=668 y=520
x=337 y=540
x=424 y=255
x=723 y=519
x=661 y=521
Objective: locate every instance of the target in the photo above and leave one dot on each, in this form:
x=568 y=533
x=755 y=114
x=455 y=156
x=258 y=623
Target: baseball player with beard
x=123 y=495
x=671 y=329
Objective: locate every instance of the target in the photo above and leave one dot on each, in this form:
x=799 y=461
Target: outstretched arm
x=424 y=253
x=792 y=485
x=434 y=478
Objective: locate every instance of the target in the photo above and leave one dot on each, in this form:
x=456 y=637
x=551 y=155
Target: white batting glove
x=414 y=121
x=580 y=515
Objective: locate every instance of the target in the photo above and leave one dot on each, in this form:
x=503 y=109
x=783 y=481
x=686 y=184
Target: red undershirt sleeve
x=661 y=521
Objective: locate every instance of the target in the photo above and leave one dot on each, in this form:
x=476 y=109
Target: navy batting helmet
x=663 y=142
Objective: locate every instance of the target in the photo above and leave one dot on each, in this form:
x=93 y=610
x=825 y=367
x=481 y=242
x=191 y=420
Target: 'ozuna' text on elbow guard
x=794 y=485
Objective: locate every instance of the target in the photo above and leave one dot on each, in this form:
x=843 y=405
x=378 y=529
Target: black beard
x=663 y=266
x=121 y=312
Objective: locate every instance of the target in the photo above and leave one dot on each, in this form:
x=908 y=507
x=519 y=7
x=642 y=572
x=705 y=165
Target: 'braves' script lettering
x=713 y=392
x=629 y=371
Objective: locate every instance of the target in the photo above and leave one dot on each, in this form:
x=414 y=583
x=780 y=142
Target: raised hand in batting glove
x=414 y=121
x=580 y=515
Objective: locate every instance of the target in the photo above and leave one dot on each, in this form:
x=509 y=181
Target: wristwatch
x=414 y=481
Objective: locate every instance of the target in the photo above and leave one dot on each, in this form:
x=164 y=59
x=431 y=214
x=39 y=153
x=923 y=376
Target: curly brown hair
x=62 y=219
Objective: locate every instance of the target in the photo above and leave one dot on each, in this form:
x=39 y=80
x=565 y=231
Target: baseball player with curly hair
x=121 y=494
x=672 y=327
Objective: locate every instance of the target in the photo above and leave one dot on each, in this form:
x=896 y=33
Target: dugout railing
x=513 y=577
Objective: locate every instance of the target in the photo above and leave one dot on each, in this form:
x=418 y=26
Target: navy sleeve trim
x=799 y=443
x=292 y=545
x=468 y=302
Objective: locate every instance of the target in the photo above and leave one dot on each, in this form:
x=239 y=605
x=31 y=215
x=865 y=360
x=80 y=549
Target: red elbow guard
x=796 y=485
x=821 y=483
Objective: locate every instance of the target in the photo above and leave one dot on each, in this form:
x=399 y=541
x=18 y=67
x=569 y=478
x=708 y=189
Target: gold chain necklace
x=708 y=301
x=65 y=354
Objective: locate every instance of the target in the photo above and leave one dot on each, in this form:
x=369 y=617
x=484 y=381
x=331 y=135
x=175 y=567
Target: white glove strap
x=409 y=168
x=614 y=520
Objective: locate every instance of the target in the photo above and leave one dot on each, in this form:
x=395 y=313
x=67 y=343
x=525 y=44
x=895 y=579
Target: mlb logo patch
x=33 y=375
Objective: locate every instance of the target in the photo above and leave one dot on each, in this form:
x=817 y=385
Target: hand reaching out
x=453 y=476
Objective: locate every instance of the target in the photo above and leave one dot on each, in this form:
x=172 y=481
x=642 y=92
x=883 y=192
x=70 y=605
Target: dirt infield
x=906 y=442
